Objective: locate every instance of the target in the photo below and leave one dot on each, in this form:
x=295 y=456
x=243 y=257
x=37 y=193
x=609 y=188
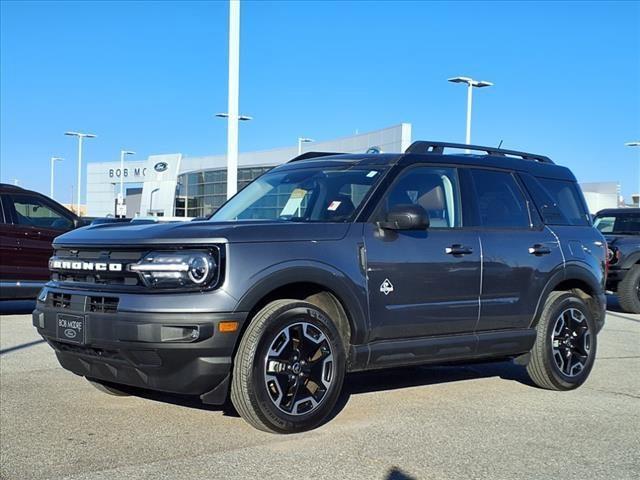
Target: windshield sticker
x=333 y=206
x=372 y=174
x=293 y=204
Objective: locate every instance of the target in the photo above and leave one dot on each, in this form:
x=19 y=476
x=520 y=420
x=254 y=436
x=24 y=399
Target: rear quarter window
x=560 y=202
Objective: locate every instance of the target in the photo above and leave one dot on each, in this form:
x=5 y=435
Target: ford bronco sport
x=336 y=263
x=621 y=228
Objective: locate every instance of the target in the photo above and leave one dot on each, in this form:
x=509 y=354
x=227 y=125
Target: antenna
x=500 y=144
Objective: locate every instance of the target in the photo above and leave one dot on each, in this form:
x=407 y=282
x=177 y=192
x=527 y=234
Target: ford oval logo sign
x=70 y=333
x=161 y=166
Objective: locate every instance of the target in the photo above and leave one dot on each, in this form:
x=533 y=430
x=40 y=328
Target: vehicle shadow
x=366 y=382
x=406 y=377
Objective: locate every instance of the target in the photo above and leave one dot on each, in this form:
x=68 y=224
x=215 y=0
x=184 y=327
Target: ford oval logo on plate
x=161 y=166
x=70 y=333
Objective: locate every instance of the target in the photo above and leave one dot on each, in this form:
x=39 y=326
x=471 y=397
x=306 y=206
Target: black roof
x=613 y=211
x=433 y=152
x=7 y=187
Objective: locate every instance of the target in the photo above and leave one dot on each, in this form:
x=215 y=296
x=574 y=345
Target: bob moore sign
x=136 y=172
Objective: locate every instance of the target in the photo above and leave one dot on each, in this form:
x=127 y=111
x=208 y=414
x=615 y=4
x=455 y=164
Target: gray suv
x=336 y=263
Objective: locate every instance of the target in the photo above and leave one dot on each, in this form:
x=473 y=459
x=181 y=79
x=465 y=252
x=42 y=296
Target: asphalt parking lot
x=480 y=421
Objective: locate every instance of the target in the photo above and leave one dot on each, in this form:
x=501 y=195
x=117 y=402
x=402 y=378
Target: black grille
x=102 y=304
x=60 y=300
x=89 y=351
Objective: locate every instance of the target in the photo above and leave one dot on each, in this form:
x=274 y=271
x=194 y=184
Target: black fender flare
x=571 y=271
x=352 y=296
x=631 y=260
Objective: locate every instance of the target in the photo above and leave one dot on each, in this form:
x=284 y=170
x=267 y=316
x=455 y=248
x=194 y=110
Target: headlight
x=176 y=269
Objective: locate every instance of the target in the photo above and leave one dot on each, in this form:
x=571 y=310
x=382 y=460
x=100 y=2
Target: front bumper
x=131 y=348
x=614 y=277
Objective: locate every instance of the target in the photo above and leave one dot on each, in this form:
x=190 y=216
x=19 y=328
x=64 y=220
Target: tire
x=549 y=366
x=629 y=290
x=108 y=388
x=276 y=370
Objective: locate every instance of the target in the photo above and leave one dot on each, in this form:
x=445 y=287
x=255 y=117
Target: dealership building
x=174 y=185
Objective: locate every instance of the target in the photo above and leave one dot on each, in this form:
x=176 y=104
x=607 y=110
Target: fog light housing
x=174 y=333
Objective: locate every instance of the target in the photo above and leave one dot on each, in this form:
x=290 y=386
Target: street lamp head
x=79 y=134
x=127 y=152
x=305 y=140
x=242 y=118
x=56 y=159
x=633 y=144
x=471 y=82
x=460 y=80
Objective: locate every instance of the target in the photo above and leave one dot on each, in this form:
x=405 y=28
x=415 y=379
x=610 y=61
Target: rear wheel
x=629 y=290
x=107 y=388
x=565 y=347
x=289 y=368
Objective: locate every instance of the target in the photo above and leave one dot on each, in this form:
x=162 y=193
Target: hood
x=180 y=233
x=617 y=239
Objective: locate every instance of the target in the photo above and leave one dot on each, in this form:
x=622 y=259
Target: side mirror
x=406 y=217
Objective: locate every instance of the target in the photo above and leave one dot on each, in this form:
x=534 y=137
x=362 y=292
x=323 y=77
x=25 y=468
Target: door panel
x=518 y=253
x=433 y=292
x=513 y=278
x=423 y=282
x=37 y=221
x=9 y=261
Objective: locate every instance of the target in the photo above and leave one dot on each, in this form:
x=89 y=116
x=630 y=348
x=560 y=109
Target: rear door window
x=500 y=201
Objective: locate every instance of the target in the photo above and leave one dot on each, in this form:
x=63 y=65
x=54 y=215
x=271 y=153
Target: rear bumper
x=133 y=348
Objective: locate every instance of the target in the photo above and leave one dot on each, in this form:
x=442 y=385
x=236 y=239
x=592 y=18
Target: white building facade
x=174 y=185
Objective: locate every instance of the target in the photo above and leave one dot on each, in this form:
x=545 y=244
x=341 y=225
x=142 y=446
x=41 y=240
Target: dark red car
x=29 y=221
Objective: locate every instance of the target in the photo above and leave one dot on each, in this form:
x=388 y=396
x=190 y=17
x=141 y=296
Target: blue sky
x=148 y=76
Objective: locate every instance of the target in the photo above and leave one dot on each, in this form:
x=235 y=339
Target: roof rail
x=425 y=146
x=306 y=155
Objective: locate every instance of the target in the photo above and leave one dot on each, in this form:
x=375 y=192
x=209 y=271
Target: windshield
x=305 y=195
x=623 y=223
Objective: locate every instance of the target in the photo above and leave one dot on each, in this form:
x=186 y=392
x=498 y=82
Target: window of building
x=199 y=194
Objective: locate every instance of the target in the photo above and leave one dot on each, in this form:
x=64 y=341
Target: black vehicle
x=621 y=228
x=337 y=263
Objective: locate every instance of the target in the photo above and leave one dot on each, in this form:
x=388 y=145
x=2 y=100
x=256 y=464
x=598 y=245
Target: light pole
x=53 y=161
x=302 y=140
x=232 y=145
x=233 y=94
x=471 y=83
x=636 y=144
x=80 y=137
x=120 y=209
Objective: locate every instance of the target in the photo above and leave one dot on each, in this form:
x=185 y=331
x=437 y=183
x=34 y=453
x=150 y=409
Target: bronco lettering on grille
x=86 y=266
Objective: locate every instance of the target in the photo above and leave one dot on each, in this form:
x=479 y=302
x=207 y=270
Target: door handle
x=458 y=249
x=539 y=250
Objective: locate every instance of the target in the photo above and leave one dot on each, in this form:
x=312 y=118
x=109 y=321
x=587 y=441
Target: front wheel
x=565 y=347
x=289 y=368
